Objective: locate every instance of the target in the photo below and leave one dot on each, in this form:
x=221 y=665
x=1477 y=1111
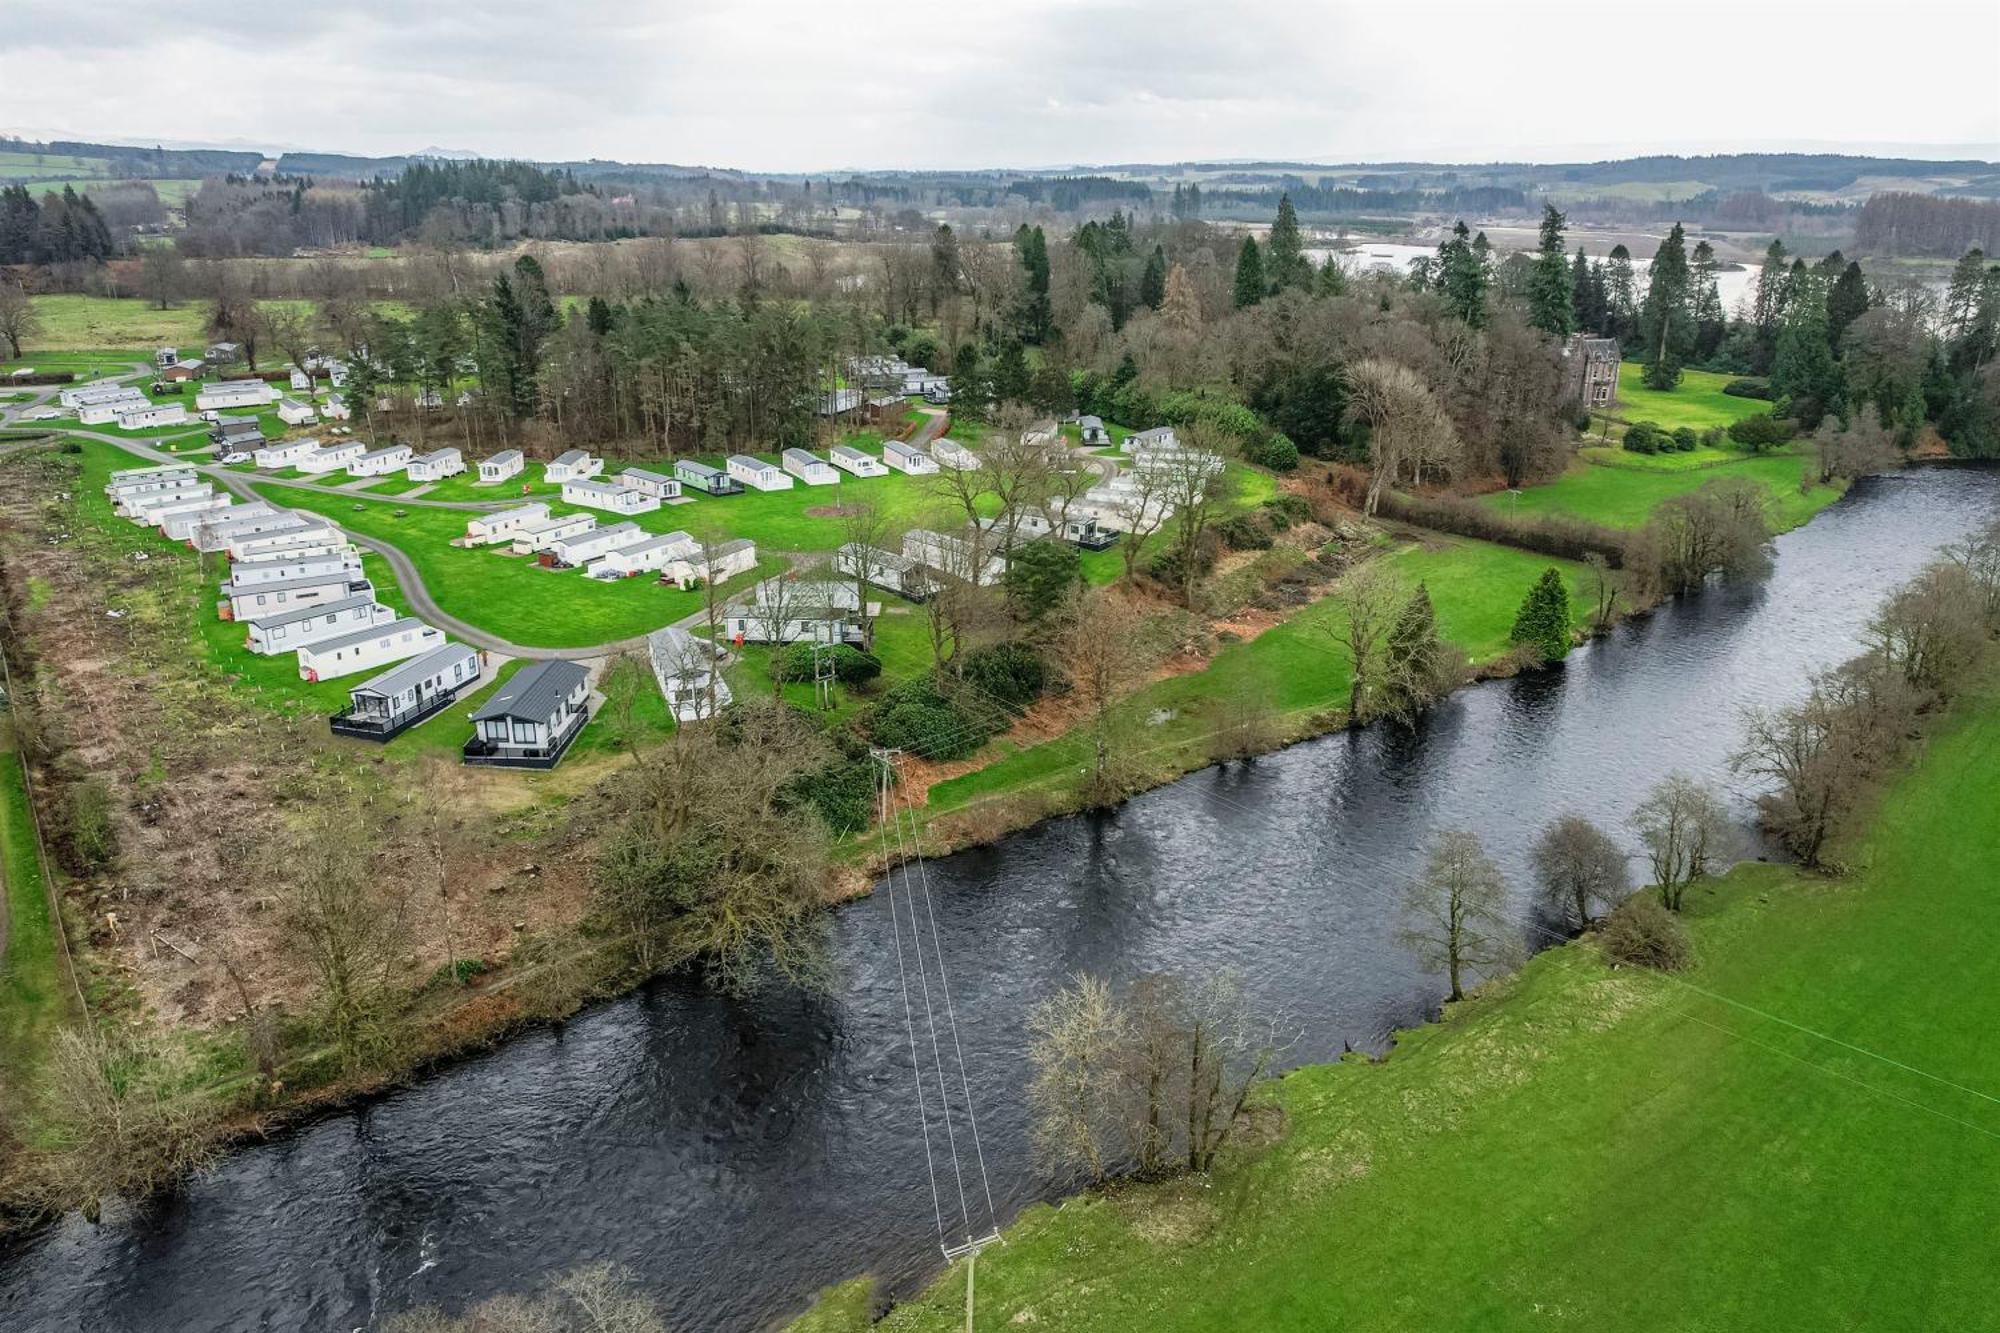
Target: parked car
x=238 y=456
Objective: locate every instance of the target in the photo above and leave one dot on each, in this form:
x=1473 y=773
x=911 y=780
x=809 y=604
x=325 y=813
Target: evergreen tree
x=1462 y=276
x=1666 y=323
x=1767 y=307
x=1036 y=316
x=1802 y=366
x=1413 y=657
x=1544 y=621
x=1249 y=274
x=1285 y=263
x=1552 y=290
x=1332 y=277
x=1010 y=374
x=1153 y=282
x=1621 y=301
x=1584 y=315
x=1961 y=299
x=1846 y=302
x=1711 y=323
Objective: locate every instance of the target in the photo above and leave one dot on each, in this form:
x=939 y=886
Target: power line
x=909 y=1021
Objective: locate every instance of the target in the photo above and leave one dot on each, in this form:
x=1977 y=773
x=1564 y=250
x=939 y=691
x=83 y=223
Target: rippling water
x=737 y=1156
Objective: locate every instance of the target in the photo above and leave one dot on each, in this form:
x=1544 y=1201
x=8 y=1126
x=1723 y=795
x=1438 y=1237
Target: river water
x=738 y=1155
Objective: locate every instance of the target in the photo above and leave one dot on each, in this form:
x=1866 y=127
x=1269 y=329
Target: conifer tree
x=1846 y=302
x=1551 y=291
x=1285 y=263
x=1249 y=274
x=1461 y=274
x=1621 y=301
x=1544 y=620
x=1584 y=316
x=1332 y=277
x=1666 y=323
x=1413 y=658
x=1705 y=303
x=1153 y=282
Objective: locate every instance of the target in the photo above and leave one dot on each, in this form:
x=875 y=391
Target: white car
x=44 y=414
x=237 y=457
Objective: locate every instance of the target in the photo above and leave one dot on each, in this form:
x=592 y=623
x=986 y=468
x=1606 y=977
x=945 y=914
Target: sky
x=784 y=85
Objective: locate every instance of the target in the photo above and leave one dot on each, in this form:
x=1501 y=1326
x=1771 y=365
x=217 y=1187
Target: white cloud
x=787 y=85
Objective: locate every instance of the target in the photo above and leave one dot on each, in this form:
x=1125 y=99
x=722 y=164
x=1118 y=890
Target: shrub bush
x=1642 y=933
x=851 y=666
x=1012 y=674
x=1685 y=439
x=1748 y=389
x=1243 y=532
x=843 y=793
x=1763 y=431
x=1643 y=437
x=1275 y=451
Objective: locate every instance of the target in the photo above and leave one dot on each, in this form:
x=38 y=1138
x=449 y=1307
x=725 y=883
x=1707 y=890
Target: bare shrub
x=1642 y=933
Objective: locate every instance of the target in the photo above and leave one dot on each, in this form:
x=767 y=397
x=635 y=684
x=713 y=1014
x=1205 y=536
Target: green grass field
x=1697 y=401
x=1624 y=497
x=1577 y=1147
x=31 y=988
x=80 y=323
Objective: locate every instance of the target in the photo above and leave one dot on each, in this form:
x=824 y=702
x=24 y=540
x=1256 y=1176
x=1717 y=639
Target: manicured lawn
x=1623 y=497
x=1578 y=1147
x=1701 y=456
x=902 y=645
x=1697 y=401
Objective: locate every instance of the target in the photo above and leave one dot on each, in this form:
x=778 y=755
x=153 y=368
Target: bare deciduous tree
x=601 y=1298
x=1106 y=649
x=1370 y=601
x=1076 y=1035
x=1409 y=432
x=344 y=921
x=1724 y=527
x=1456 y=911
x=1933 y=628
x=18 y=320
x=1685 y=829
x=1581 y=871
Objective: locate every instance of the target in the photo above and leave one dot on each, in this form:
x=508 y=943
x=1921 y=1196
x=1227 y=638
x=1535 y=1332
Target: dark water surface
x=737 y=1156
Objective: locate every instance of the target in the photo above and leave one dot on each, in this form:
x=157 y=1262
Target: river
x=738 y=1155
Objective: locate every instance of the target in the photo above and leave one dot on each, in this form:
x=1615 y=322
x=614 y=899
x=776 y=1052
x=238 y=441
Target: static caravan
x=295 y=413
x=756 y=472
x=307 y=544
x=286 y=453
x=175 y=522
x=152 y=414
x=685 y=669
x=571 y=465
x=507 y=463
x=381 y=462
x=656 y=484
x=331 y=457
x=285 y=630
x=950 y=453
x=707 y=480
x=105 y=411
x=809 y=468
x=1159 y=437
x=584 y=546
x=437 y=465
x=907 y=458
x=714 y=565
x=953 y=556
x=224 y=394
x=166 y=356
x=885 y=569
x=232 y=434
x=260 y=573
x=384 y=706
x=851 y=460
x=542 y=533
x=488 y=529
x=1093 y=431
x=126 y=495
x=129 y=476
x=364 y=649
x=80 y=395
x=147 y=509
x=299 y=379
x=269 y=599
x=335 y=408
x=296 y=530
x=785 y=610
x=532 y=718
x=241 y=522
x=653 y=553
x=608 y=497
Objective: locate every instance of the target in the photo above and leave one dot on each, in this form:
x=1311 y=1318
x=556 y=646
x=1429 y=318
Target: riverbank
x=1600 y=1147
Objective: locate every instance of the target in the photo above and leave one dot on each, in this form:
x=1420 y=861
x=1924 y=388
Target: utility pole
x=823 y=674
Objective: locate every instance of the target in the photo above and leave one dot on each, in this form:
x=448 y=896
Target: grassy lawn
x=1624 y=497
x=31 y=994
x=72 y=322
x=1695 y=459
x=1578 y=1147
x=902 y=645
x=1697 y=401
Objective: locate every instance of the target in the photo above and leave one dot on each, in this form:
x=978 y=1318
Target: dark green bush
x=1243 y=532
x=1685 y=439
x=1763 y=431
x=1748 y=389
x=1011 y=674
x=1275 y=451
x=843 y=793
x=1041 y=575
x=851 y=666
x=1644 y=437
x=913 y=716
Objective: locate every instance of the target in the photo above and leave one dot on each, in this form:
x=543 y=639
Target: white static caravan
x=224 y=394
x=756 y=473
x=953 y=556
x=652 y=553
x=331 y=457
x=856 y=463
x=257 y=573
x=585 y=546
x=507 y=463
x=656 y=484
x=286 y=630
x=269 y=599
x=295 y=413
x=105 y=411
x=540 y=534
x=82 y=395
x=293 y=548
x=362 y=649
x=950 y=453
x=611 y=499
x=381 y=462
x=1159 y=437
x=296 y=530
x=490 y=529
x=178 y=522
x=335 y=408
x=571 y=465
x=716 y=564
x=885 y=569
x=146 y=510
x=783 y=610
x=685 y=669
x=285 y=454
x=907 y=458
x=127 y=497
x=134 y=476
x=808 y=467
x=242 y=521
x=437 y=465
x=382 y=706
x=139 y=417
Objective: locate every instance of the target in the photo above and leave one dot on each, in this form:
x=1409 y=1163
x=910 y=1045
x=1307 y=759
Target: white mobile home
x=300 y=380
x=809 y=468
x=241 y=522
x=180 y=523
x=283 y=631
x=381 y=462
x=571 y=465
x=656 y=484
x=383 y=706
x=234 y=393
x=685 y=668
x=532 y=718
x=885 y=569
x=1159 y=437
x=264 y=600
x=756 y=472
x=785 y=610
x=487 y=529
x=331 y=457
x=143 y=414
x=126 y=496
x=104 y=411
x=132 y=476
x=907 y=458
x=608 y=497
x=585 y=546
x=712 y=565
x=437 y=465
x=291 y=531
x=851 y=460
x=950 y=453
x=335 y=408
x=365 y=648
x=286 y=453
x=953 y=556
x=307 y=544
x=294 y=413
x=147 y=509
x=289 y=567
x=82 y=395
x=1092 y=430
x=507 y=463
x=542 y=533
x=637 y=557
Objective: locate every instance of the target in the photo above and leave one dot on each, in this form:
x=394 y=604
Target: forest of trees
x=61 y=228
x=1939 y=226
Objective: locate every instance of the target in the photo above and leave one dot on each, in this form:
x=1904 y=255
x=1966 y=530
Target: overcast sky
x=791 y=85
